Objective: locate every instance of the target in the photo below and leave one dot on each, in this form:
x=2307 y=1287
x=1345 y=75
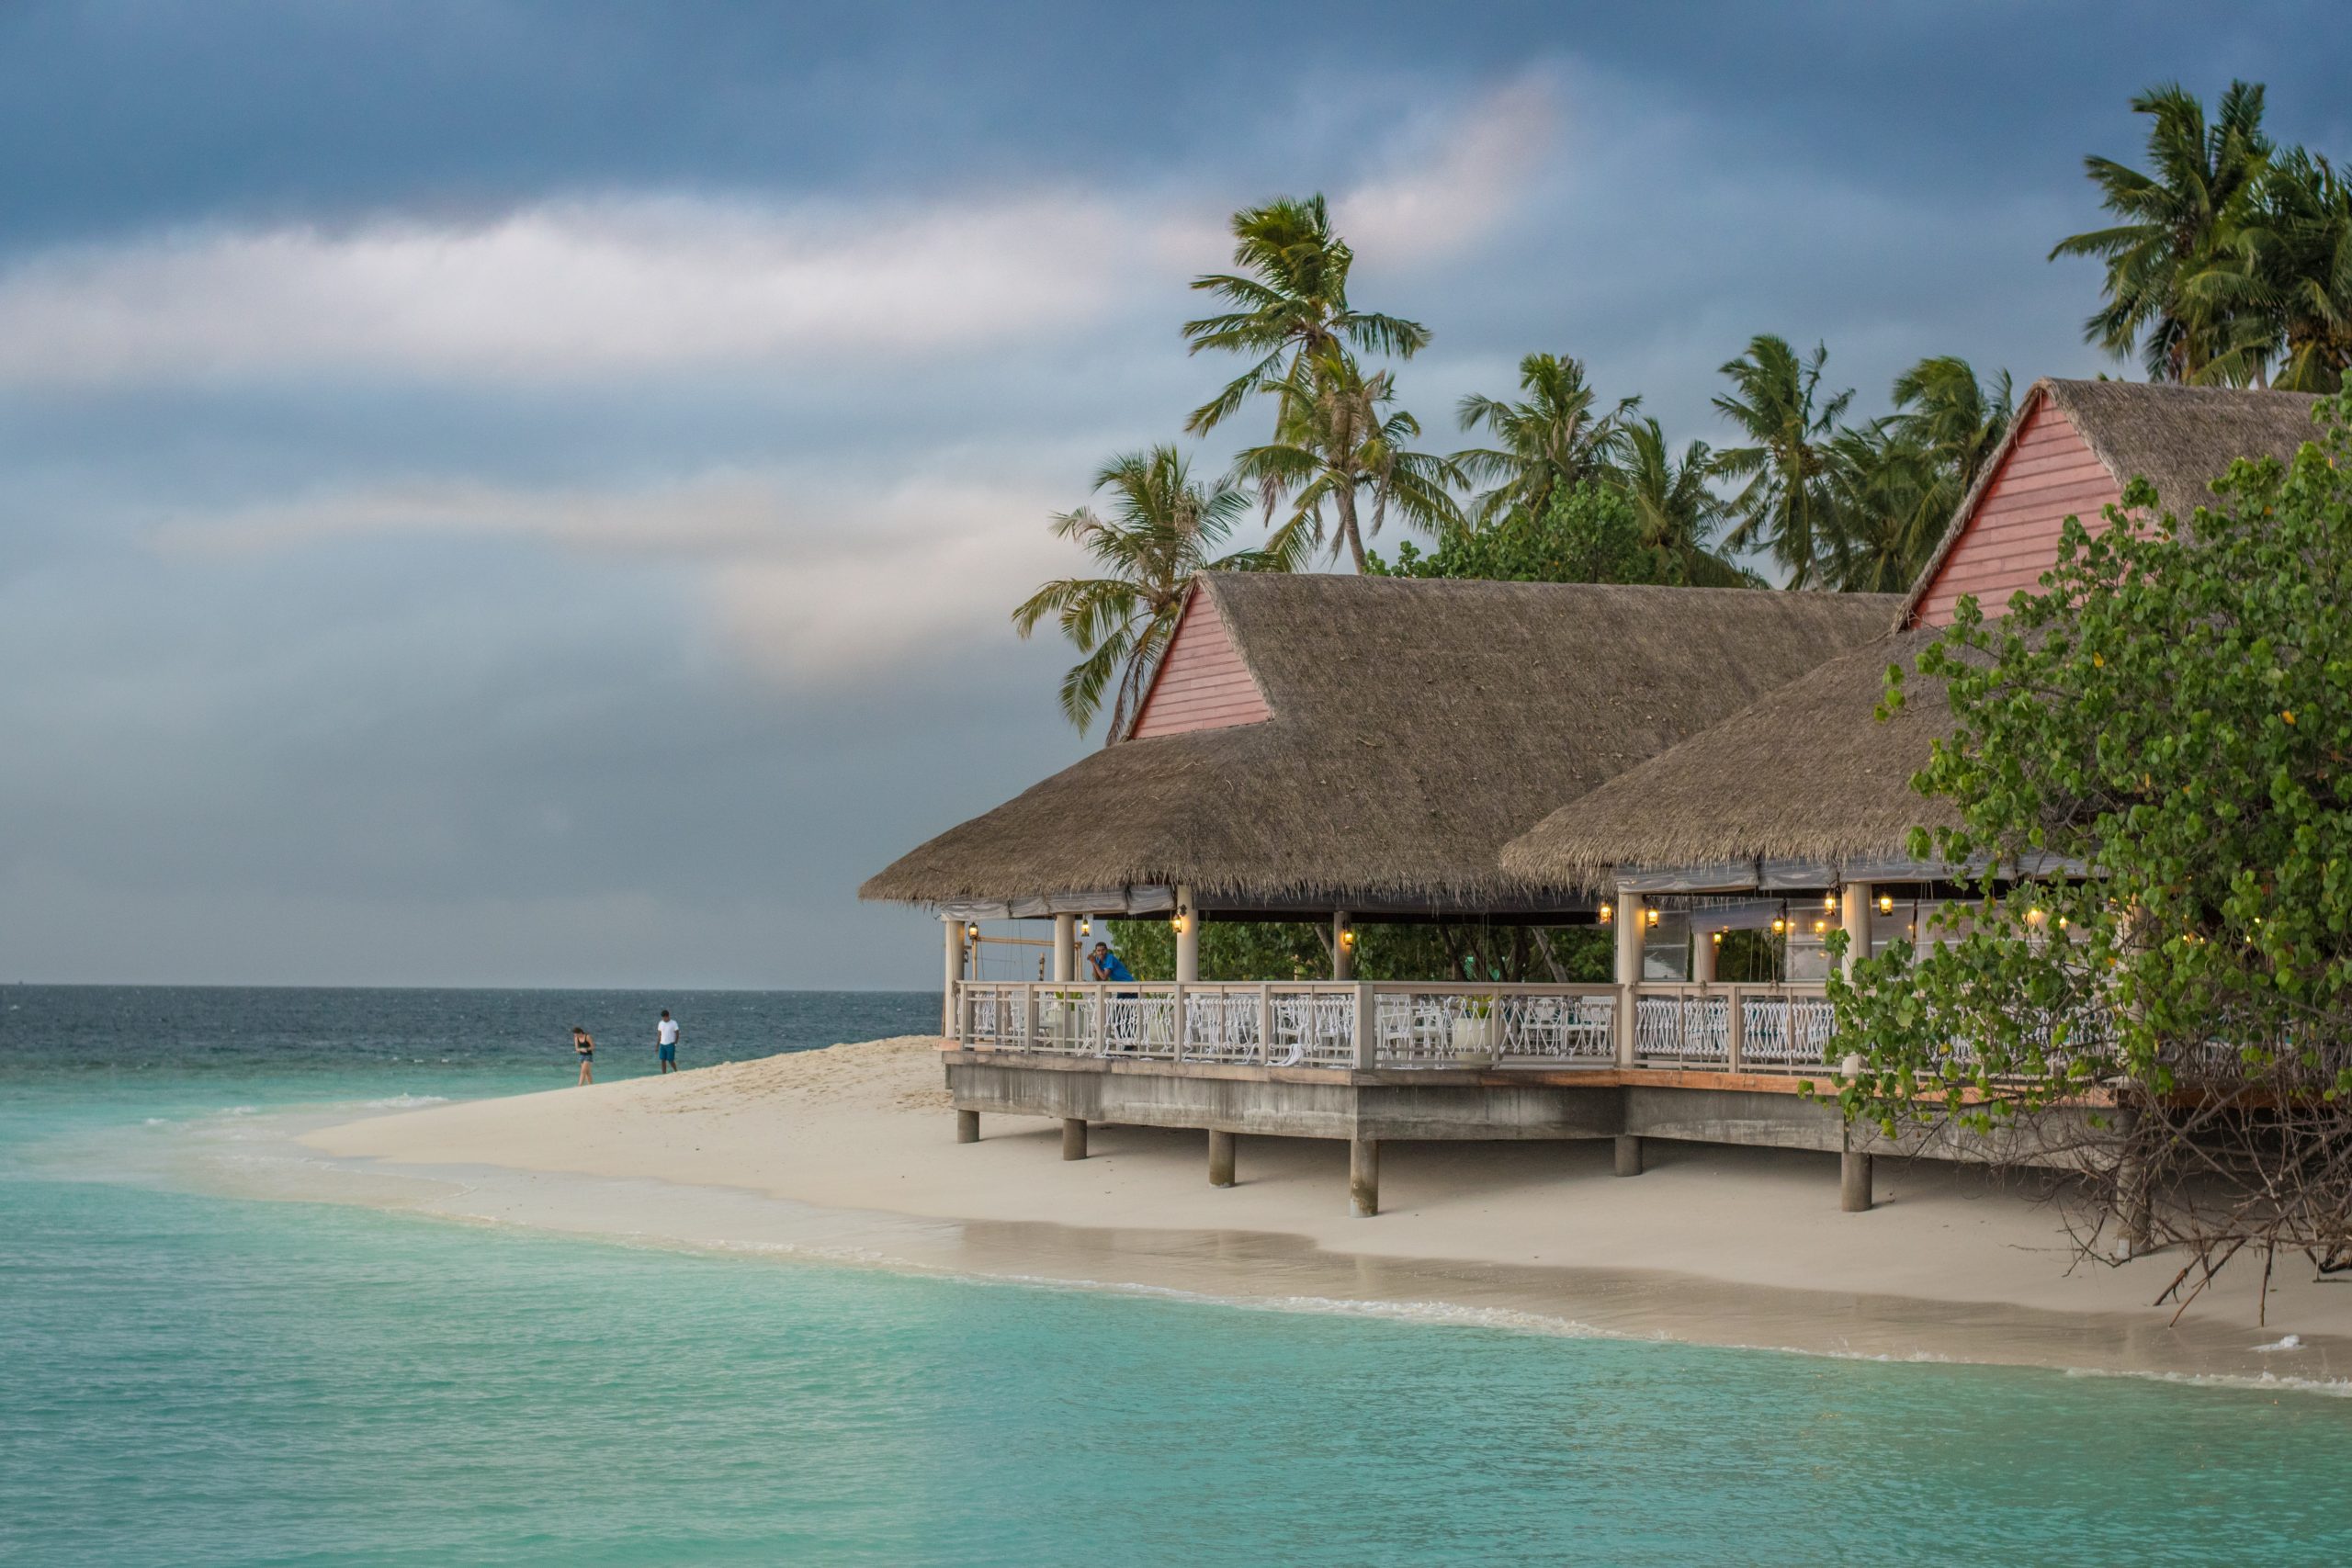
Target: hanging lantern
x=1886 y=903
x=1348 y=939
x=1608 y=913
x=1718 y=939
x=1086 y=928
x=1780 y=924
x=973 y=930
x=1178 y=923
x=1829 y=902
x=1649 y=917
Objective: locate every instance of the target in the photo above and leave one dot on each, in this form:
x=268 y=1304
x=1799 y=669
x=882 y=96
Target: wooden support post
x=1629 y=974
x=1854 y=1182
x=1703 y=952
x=1176 y=1021
x=1734 y=1029
x=1220 y=1158
x=1073 y=1137
x=1367 y=1027
x=1188 y=936
x=1854 y=907
x=955 y=976
x=968 y=1126
x=1363 y=1177
x=1065 y=968
x=1629 y=1155
x=1265 y=1022
x=1343 y=948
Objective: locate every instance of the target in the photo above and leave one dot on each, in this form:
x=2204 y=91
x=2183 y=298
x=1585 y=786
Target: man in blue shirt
x=1107 y=964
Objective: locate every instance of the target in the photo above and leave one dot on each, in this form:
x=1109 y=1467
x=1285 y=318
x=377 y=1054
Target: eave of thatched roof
x=1805 y=774
x=2180 y=439
x=1418 y=726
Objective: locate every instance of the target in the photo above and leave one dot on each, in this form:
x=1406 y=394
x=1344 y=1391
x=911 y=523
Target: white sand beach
x=853 y=1149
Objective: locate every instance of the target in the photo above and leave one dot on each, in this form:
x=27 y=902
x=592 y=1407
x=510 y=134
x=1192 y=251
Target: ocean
x=190 y=1378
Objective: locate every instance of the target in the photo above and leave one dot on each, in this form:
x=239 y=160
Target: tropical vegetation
x=1163 y=528
x=1340 y=447
x=2167 y=716
x=2228 y=261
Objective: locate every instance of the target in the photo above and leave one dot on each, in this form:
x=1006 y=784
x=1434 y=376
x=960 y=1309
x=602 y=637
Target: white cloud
x=806 y=575
x=637 y=284
x=564 y=288
x=1455 y=178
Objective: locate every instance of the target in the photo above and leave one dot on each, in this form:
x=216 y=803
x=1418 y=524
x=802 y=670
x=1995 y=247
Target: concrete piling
x=1220 y=1158
x=1629 y=1156
x=1363 y=1177
x=968 y=1126
x=1073 y=1137
x=1854 y=1182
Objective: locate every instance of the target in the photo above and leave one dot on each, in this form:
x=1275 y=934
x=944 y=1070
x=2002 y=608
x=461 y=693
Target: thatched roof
x=2179 y=439
x=1418 y=726
x=1804 y=774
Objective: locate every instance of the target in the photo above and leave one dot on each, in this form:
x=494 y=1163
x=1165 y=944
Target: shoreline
x=848 y=1155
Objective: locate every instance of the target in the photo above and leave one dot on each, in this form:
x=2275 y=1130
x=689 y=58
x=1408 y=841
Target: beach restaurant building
x=1673 y=763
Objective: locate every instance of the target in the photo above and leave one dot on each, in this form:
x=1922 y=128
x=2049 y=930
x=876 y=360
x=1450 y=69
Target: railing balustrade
x=1312 y=1024
x=1414 y=1024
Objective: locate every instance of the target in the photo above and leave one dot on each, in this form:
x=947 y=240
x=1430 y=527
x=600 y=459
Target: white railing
x=1295 y=1023
x=1732 y=1028
x=1395 y=1023
x=1407 y=1024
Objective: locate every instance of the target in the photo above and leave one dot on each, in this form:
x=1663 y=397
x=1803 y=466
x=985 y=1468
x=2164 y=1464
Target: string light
x=1819 y=926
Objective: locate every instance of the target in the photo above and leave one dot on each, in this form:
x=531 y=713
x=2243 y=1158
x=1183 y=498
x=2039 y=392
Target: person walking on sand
x=586 y=1046
x=666 y=1036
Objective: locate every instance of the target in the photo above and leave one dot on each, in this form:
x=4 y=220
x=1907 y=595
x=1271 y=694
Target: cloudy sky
x=511 y=493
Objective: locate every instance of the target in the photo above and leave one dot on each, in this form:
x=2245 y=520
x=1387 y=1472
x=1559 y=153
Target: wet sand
x=849 y=1154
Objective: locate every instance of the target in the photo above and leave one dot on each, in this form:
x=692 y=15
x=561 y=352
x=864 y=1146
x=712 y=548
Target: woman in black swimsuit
x=587 y=1049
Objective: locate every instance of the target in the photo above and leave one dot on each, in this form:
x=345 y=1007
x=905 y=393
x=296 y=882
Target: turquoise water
x=190 y=1378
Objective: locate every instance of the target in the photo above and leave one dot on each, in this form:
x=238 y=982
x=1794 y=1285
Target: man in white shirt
x=665 y=1035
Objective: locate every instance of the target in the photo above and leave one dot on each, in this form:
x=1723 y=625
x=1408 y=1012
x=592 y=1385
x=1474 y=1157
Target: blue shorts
x=668 y=1053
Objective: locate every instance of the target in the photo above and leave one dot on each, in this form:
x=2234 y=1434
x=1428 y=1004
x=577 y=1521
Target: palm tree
x=2292 y=268
x=1679 y=513
x=1894 y=484
x=1335 y=445
x=1777 y=404
x=1290 y=306
x=1553 y=441
x=1942 y=408
x=2177 y=222
x=1160 y=532
x=1890 y=499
